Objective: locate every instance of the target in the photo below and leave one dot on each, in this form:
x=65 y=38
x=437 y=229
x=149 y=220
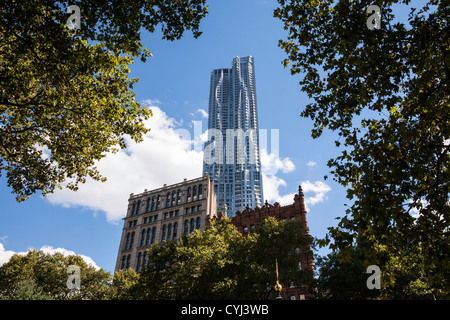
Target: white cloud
x=203 y=113
x=311 y=163
x=271 y=186
x=164 y=156
x=5 y=255
x=151 y=102
x=272 y=163
x=320 y=188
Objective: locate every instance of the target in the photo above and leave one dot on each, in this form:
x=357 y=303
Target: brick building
x=246 y=221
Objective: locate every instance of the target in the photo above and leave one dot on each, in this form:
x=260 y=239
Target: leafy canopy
x=386 y=94
x=221 y=263
x=65 y=98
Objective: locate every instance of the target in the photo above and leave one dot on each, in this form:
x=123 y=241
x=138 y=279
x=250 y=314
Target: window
x=169 y=231
x=292 y=297
x=299 y=265
x=175 y=229
x=186 y=227
x=177 y=213
x=174 y=198
x=153 y=204
x=198 y=223
x=133 y=210
x=138 y=207
x=142 y=238
x=189 y=191
x=147 y=238
x=171 y=214
x=139 y=261
x=166 y=215
x=127 y=243
x=199 y=207
x=193 y=209
x=147 y=208
x=123 y=262
x=128 y=262
x=168 y=200
x=194 y=193
x=144 y=262
x=188 y=210
x=153 y=235
x=156 y=218
x=200 y=191
x=145 y=220
x=245 y=230
x=158 y=202
x=252 y=228
x=179 y=196
x=132 y=240
x=163 y=234
x=192 y=226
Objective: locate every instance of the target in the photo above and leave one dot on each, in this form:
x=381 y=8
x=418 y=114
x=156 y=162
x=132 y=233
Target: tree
x=344 y=280
x=65 y=98
x=220 y=263
x=203 y=265
x=285 y=242
x=40 y=275
x=386 y=93
x=26 y=290
x=122 y=284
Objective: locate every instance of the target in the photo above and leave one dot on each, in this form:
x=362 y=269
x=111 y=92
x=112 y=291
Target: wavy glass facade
x=231 y=156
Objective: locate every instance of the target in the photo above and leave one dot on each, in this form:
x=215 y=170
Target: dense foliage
x=385 y=92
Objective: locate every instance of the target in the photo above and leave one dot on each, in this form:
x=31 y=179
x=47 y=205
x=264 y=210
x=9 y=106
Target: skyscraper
x=231 y=155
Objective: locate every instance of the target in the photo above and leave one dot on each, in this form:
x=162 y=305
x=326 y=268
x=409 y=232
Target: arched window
x=200 y=191
x=128 y=262
x=144 y=262
x=147 y=239
x=163 y=234
x=245 y=229
x=132 y=240
x=186 y=227
x=169 y=231
x=138 y=207
x=179 y=196
x=139 y=261
x=123 y=263
x=168 y=200
x=192 y=226
x=174 y=198
x=153 y=204
x=194 y=193
x=175 y=229
x=153 y=235
x=142 y=238
x=127 y=243
x=133 y=210
x=189 y=194
x=158 y=202
x=198 y=223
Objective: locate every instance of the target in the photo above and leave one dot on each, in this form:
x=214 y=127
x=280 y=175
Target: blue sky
x=174 y=83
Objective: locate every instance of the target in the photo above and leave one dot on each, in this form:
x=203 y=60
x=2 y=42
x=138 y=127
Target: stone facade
x=163 y=214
